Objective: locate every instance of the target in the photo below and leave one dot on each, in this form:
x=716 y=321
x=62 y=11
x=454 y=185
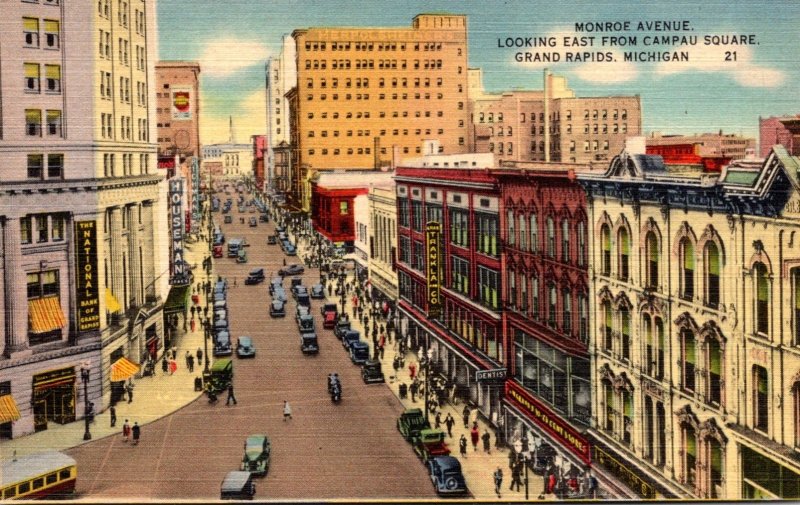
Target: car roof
x=330 y=315
x=235 y=480
x=306 y=317
x=256 y=270
x=447 y=463
x=245 y=339
x=276 y=302
x=359 y=344
x=258 y=440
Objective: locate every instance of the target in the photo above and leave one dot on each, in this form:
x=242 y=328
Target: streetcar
x=43 y=475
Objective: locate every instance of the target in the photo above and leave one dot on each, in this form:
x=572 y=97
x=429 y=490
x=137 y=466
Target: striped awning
x=123 y=369
x=45 y=314
x=112 y=304
x=8 y=409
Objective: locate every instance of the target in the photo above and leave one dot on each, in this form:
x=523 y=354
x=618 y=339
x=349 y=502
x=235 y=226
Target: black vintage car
x=277 y=309
x=342 y=327
x=255 y=276
x=257 y=449
x=371 y=372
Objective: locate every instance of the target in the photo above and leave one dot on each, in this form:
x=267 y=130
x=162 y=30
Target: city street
x=350 y=449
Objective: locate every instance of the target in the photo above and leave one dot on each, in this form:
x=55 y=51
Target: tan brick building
x=729 y=145
x=520 y=125
x=362 y=91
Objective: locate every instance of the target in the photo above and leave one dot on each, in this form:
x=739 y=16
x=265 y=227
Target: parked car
x=220 y=375
x=359 y=352
x=222 y=343
x=290 y=250
x=245 y=347
x=275 y=283
x=220 y=287
x=264 y=218
x=445 y=472
x=303 y=299
x=220 y=314
x=241 y=256
x=329 y=307
x=256 y=276
x=277 y=309
x=349 y=337
x=308 y=343
x=410 y=422
x=237 y=486
x=293 y=269
x=298 y=290
x=256 y=457
x=220 y=325
x=371 y=372
x=429 y=443
x=300 y=311
x=306 y=323
x=271 y=240
x=329 y=320
x=217 y=251
x=317 y=291
x=342 y=326
x=220 y=304
x=279 y=294
x=253 y=222
x=228 y=219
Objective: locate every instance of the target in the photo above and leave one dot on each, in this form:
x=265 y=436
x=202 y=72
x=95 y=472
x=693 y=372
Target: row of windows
x=371 y=46
x=42 y=228
x=370 y=65
x=523 y=234
x=33 y=123
x=37 y=169
x=382 y=114
x=383 y=133
x=364 y=82
x=524 y=298
x=381 y=96
x=110 y=164
x=125 y=127
x=480 y=334
x=51 y=29
x=489 y=117
x=33 y=77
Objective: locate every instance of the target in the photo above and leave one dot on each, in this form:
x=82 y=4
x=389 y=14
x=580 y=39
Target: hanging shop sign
x=548 y=420
x=496 y=374
x=177 y=217
x=86 y=276
x=432 y=233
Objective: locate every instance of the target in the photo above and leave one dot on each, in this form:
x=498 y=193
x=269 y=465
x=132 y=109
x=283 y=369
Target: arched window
x=566 y=297
x=649 y=345
x=523 y=233
x=689 y=454
x=625 y=320
x=510 y=225
x=534 y=233
x=714 y=366
x=605 y=246
x=689 y=359
x=581 y=243
x=627 y=416
x=608 y=394
x=583 y=318
x=535 y=297
x=523 y=294
x=659 y=356
x=552 y=299
x=565 y=240
x=551 y=237
x=651 y=247
x=687 y=269
x=760 y=398
x=608 y=325
x=715 y=468
x=623 y=239
x=762 y=298
x=512 y=290
x=712 y=263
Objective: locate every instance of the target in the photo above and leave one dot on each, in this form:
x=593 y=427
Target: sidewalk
x=478 y=467
x=153 y=397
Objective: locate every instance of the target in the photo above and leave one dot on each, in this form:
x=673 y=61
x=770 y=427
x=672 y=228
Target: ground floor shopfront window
x=765 y=478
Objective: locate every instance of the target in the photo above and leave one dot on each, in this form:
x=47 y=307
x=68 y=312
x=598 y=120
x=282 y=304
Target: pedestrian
x=475 y=436
x=380 y=348
x=234 y=282
x=466 y=416
x=412 y=371
x=113 y=411
x=129 y=390
x=449 y=422
x=175 y=349
x=487 y=442
x=186 y=358
x=199 y=356
x=126 y=431
x=231 y=395
x=173 y=366
x=438 y=420
x=516 y=476
x=498 y=480
x=137 y=431
x=592 y=485
x=287 y=410
x=551 y=481
x=462 y=445
x=190 y=363
x=284 y=261
x=413 y=390
x=165 y=364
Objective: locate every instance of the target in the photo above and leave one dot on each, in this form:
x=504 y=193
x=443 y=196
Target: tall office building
x=81 y=206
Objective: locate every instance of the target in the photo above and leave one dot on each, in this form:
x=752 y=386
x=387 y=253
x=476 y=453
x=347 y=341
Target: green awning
x=178 y=300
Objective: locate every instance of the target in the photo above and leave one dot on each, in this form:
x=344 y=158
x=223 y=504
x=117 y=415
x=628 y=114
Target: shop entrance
x=53 y=398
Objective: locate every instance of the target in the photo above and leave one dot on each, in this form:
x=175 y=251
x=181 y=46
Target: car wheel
x=450 y=483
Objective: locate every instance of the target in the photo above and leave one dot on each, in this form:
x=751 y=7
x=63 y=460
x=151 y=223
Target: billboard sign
x=181 y=103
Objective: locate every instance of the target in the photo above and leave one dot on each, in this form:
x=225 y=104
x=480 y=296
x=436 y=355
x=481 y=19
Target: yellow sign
x=432 y=233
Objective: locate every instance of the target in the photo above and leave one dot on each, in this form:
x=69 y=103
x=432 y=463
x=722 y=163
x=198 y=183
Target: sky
x=725 y=84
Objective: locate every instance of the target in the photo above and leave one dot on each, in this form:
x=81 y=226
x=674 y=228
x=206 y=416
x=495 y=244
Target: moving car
x=329 y=307
x=279 y=294
x=271 y=240
x=234 y=245
x=253 y=222
x=317 y=292
x=245 y=347
x=264 y=218
x=306 y=323
x=277 y=309
x=349 y=337
x=329 y=320
x=237 y=486
x=371 y=372
x=308 y=343
x=241 y=256
x=298 y=289
x=303 y=299
x=411 y=422
x=429 y=444
x=300 y=311
x=217 y=251
x=445 y=472
x=257 y=451
x=359 y=352
x=293 y=269
x=290 y=250
x=275 y=283
x=255 y=276
x=220 y=375
x=342 y=326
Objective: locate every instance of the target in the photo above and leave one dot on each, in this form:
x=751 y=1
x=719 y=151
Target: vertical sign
x=432 y=232
x=195 y=192
x=181 y=103
x=176 y=216
x=86 y=287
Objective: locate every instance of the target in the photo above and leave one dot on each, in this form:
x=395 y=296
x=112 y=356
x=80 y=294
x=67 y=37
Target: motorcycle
x=336 y=393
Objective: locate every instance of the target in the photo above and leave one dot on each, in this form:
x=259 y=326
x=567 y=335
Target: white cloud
x=224 y=57
x=249 y=118
x=735 y=61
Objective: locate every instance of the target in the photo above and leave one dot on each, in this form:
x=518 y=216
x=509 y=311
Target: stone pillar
x=148 y=260
x=133 y=253
x=16 y=306
x=115 y=254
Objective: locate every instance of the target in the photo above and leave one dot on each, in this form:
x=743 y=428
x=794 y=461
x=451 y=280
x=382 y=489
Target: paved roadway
x=349 y=450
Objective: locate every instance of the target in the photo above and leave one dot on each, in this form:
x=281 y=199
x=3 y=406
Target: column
x=133 y=254
x=115 y=254
x=148 y=259
x=16 y=306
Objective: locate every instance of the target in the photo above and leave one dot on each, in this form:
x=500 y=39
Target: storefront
x=765 y=478
x=53 y=397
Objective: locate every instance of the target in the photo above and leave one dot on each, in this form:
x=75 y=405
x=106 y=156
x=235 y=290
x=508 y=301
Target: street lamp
x=86 y=406
x=427 y=374
x=525 y=462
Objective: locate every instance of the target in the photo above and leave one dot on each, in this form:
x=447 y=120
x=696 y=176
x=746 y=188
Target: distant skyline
x=233 y=40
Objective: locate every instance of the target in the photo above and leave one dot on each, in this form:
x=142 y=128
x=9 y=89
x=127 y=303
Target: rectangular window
x=403 y=218
x=30 y=29
x=51 y=34
x=35 y=166
x=32 y=80
x=55 y=166
x=487 y=231
x=33 y=122
x=41 y=228
x=416 y=215
x=418 y=259
x=52 y=75
x=488 y=285
x=460 y=275
x=405 y=250
x=459 y=227
x=57 y=231
x=54 y=123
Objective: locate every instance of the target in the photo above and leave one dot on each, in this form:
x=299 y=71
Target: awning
x=112 y=304
x=177 y=300
x=8 y=409
x=44 y=314
x=123 y=369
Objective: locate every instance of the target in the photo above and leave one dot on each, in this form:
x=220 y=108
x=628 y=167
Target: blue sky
x=232 y=40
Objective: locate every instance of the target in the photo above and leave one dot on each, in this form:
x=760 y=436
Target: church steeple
x=232 y=135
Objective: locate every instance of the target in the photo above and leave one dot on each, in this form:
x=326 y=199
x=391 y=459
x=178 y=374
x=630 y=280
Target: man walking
x=113 y=411
x=199 y=356
x=413 y=390
x=465 y=413
x=230 y=395
x=487 y=442
x=136 y=433
x=129 y=390
x=287 y=410
x=190 y=363
x=438 y=420
x=498 y=480
x=462 y=445
x=449 y=422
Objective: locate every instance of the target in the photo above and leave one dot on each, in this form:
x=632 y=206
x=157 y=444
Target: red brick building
x=259 y=147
